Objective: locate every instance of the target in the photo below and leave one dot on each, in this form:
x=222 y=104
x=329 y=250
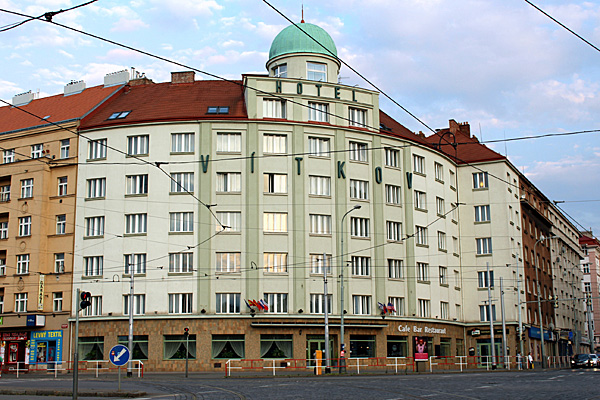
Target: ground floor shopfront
x=162 y=346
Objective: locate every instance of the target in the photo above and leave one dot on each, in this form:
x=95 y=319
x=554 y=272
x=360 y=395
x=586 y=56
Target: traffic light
x=186 y=331
x=86 y=300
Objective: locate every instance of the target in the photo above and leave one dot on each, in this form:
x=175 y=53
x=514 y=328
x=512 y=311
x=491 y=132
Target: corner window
x=316 y=72
x=280 y=71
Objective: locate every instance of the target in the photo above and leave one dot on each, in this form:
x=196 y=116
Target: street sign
x=119 y=355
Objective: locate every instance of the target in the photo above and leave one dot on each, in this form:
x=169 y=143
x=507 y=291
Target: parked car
x=581 y=361
x=594 y=360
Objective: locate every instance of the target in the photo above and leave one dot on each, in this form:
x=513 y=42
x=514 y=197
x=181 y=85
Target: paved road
x=545 y=385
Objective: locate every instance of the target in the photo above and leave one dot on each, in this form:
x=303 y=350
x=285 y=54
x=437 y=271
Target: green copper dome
x=293 y=40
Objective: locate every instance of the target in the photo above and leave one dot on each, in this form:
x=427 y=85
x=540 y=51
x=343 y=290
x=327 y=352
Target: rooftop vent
x=23 y=98
x=116 y=78
x=74 y=87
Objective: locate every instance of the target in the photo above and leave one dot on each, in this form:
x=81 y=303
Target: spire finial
x=302 y=21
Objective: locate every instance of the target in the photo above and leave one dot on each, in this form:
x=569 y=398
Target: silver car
x=594 y=361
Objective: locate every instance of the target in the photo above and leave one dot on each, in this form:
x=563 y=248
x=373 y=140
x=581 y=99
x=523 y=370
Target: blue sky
x=502 y=66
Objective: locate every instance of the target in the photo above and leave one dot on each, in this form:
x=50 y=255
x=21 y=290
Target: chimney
x=116 y=78
x=141 y=81
x=183 y=77
x=74 y=87
x=22 y=98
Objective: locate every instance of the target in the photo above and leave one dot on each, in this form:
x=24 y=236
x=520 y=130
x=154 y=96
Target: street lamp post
x=541 y=239
x=342 y=345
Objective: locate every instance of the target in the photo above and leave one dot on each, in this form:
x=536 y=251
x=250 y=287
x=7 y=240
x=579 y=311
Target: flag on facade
x=391 y=307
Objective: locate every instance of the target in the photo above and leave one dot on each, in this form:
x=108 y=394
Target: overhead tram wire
x=48 y=16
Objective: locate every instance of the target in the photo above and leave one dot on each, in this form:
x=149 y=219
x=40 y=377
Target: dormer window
x=316 y=72
x=119 y=115
x=217 y=110
x=280 y=71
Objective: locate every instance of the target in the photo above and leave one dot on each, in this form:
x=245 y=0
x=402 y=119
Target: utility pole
x=76 y=354
x=131 y=300
x=326 y=312
x=519 y=305
x=504 y=343
x=491 y=316
x=537 y=266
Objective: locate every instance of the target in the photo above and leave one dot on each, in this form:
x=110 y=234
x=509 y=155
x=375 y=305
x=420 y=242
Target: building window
x=317 y=305
x=26 y=188
x=97 y=149
x=452 y=180
x=20 y=302
x=439 y=172
x=274 y=108
x=280 y=71
x=180 y=222
x=94 y=226
x=482 y=278
x=359 y=227
x=96 y=188
x=2 y=266
x=179 y=347
x=229 y=182
x=362 y=304
x=231 y=220
x=275 y=144
x=362 y=346
x=4 y=193
x=139 y=304
x=358 y=151
x=229 y=142
x=25 y=226
x=393 y=195
x=418 y=164
x=443 y=271
x=420 y=200
x=136 y=224
x=57 y=301
x=316 y=72
x=138 y=145
x=228 y=303
x=421 y=235
x=275 y=222
x=181 y=262
x=394 y=231
x=118 y=115
x=135 y=262
x=140 y=346
x=93 y=265
x=65 y=145
x=422 y=271
x=276 y=346
x=320 y=224
x=482 y=213
x=275 y=183
x=91 y=348
x=277 y=303
x=480 y=180
x=61 y=224
x=424 y=308
x=441 y=240
x=357 y=117
x=397 y=304
x=440 y=206
x=180 y=303
x=182 y=182
x=444 y=311
x=22 y=264
x=320 y=185
x=484 y=313
x=136 y=184
x=392 y=157
x=182 y=143
x=95 y=309
x=59 y=263
x=359 y=190
x=37 y=150
x=395 y=268
x=361 y=266
x=397 y=346
x=317 y=264
x=4 y=230
x=275 y=262
x=8 y=156
x=484 y=246
x=228 y=262
x=318 y=147
x=318 y=112
x=228 y=346
x=586 y=268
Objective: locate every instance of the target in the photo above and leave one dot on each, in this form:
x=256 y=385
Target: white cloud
x=188 y=8
x=232 y=43
x=64 y=53
x=128 y=25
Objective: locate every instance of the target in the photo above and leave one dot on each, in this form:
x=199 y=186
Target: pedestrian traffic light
x=86 y=300
x=186 y=331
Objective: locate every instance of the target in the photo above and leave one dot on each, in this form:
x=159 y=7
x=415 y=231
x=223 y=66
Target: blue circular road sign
x=119 y=355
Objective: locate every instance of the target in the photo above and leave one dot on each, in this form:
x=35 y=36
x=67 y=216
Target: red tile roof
x=58 y=107
x=389 y=126
x=171 y=102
